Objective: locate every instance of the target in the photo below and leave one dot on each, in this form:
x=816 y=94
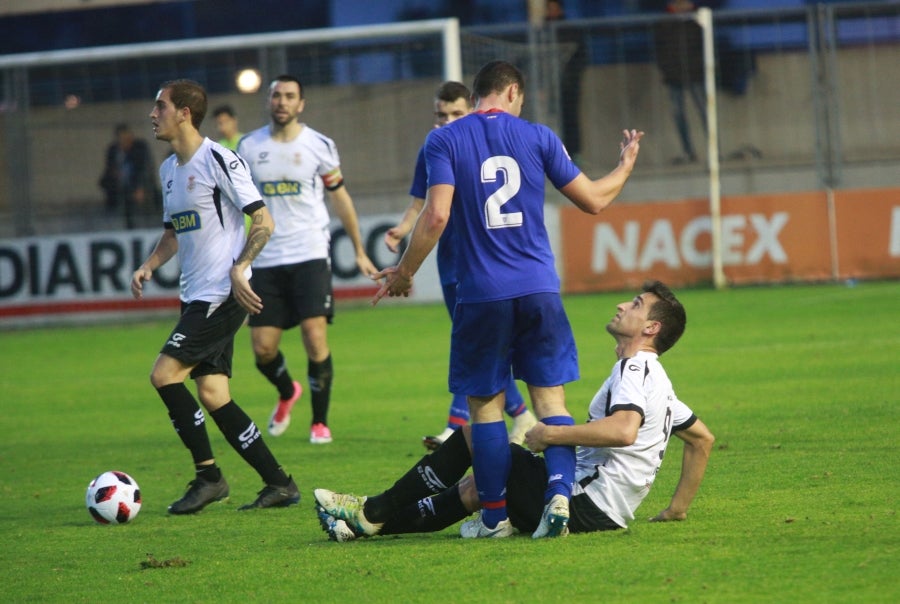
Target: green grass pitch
x=799 y=385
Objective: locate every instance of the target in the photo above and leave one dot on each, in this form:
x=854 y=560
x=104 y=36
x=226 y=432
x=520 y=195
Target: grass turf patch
x=799 y=503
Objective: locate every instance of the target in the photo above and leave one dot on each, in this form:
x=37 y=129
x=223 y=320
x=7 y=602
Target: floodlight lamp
x=248 y=80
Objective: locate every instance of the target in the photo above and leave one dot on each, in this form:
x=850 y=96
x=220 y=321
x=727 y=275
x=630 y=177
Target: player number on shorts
x=512 y=181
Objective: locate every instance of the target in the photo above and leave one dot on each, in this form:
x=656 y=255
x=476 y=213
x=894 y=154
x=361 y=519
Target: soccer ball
x=113 y=498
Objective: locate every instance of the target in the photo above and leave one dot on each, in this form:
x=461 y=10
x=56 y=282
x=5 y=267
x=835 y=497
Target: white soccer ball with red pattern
x=113 y=498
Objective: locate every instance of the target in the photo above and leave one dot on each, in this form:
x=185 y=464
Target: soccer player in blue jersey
x=490 y=168
x=452 y=100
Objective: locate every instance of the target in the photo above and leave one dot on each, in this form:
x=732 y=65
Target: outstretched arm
x=592 y=196
x=619 y=429
x=395 y=234
x=698 y=442
x=429 y=227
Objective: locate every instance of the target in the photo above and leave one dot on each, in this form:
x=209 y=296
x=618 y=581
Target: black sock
x=187 y=419
x=433 y=474
x=427 y=515
x=320 y=376
x=243 y=435
x=209 y=472
x=277 y=373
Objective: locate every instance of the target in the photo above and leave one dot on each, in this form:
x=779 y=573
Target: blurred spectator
x=129 y=178
x=679 y=56
x=227 y=126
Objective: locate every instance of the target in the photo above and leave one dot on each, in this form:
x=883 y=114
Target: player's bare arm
x=346 y=213
x=617 y=430
x=593 y=196
x=698 y=442
x=429 y=227
x=395 y=234
x=165 y=248
x=261 y=228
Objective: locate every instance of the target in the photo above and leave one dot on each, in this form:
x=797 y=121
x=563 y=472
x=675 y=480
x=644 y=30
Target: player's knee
x=316 y=347
x=542 y=410
x=211 y=401
x=159 y=377
x=264 y=353
x=155 y=380
x=168 y=370
x=315 y=338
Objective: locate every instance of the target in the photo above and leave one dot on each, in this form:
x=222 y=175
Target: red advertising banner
x=868 y=234
x=772 y=238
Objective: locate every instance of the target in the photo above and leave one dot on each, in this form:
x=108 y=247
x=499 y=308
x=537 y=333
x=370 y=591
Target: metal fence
x=807 y=99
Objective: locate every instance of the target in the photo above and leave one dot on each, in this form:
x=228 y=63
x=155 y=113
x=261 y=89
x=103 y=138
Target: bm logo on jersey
x=186 y=221
x=280 y=187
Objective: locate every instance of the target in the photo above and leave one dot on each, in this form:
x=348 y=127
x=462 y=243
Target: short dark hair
x=451 y=91
x=224 y=110
x=190 y=94
x=670 y=314
x=496 y=76
x=288 y=78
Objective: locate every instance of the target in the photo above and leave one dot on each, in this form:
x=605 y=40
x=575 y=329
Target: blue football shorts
x=531 y=334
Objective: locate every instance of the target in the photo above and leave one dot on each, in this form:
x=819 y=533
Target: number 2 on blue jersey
x=494 y=217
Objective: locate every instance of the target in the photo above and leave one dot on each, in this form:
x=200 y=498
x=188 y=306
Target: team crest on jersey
x=191 y=182
x=186 y=221
x=264 y=157
x=272 y=188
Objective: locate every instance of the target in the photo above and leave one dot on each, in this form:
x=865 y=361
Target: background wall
x=379 y=128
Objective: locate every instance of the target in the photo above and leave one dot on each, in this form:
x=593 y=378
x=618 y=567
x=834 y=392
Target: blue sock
x=560 y=462
x=515 y=404
x=459 y=412
x=491 y=461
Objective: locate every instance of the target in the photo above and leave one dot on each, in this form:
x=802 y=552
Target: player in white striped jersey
x=617 y=478
x=198 y=204
x=294 y=167
x=206 y=192
x=619 y=450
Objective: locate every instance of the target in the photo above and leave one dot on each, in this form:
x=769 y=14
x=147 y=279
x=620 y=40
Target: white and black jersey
x=204 y=200
x=618 y=478
x=292 y=177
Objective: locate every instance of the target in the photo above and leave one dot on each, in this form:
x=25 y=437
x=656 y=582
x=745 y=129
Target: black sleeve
x=249 y=209
x=686 y=424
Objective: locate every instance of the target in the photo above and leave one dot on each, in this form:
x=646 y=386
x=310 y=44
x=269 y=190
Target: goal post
x=704 y=18
x=54 y=105
x=66 y=254
x=447 y=28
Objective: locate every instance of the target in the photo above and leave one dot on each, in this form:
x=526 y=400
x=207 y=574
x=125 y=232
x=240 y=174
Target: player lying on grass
x=620 y=449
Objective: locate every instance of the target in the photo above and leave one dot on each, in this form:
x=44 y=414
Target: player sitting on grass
x=619 y=449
